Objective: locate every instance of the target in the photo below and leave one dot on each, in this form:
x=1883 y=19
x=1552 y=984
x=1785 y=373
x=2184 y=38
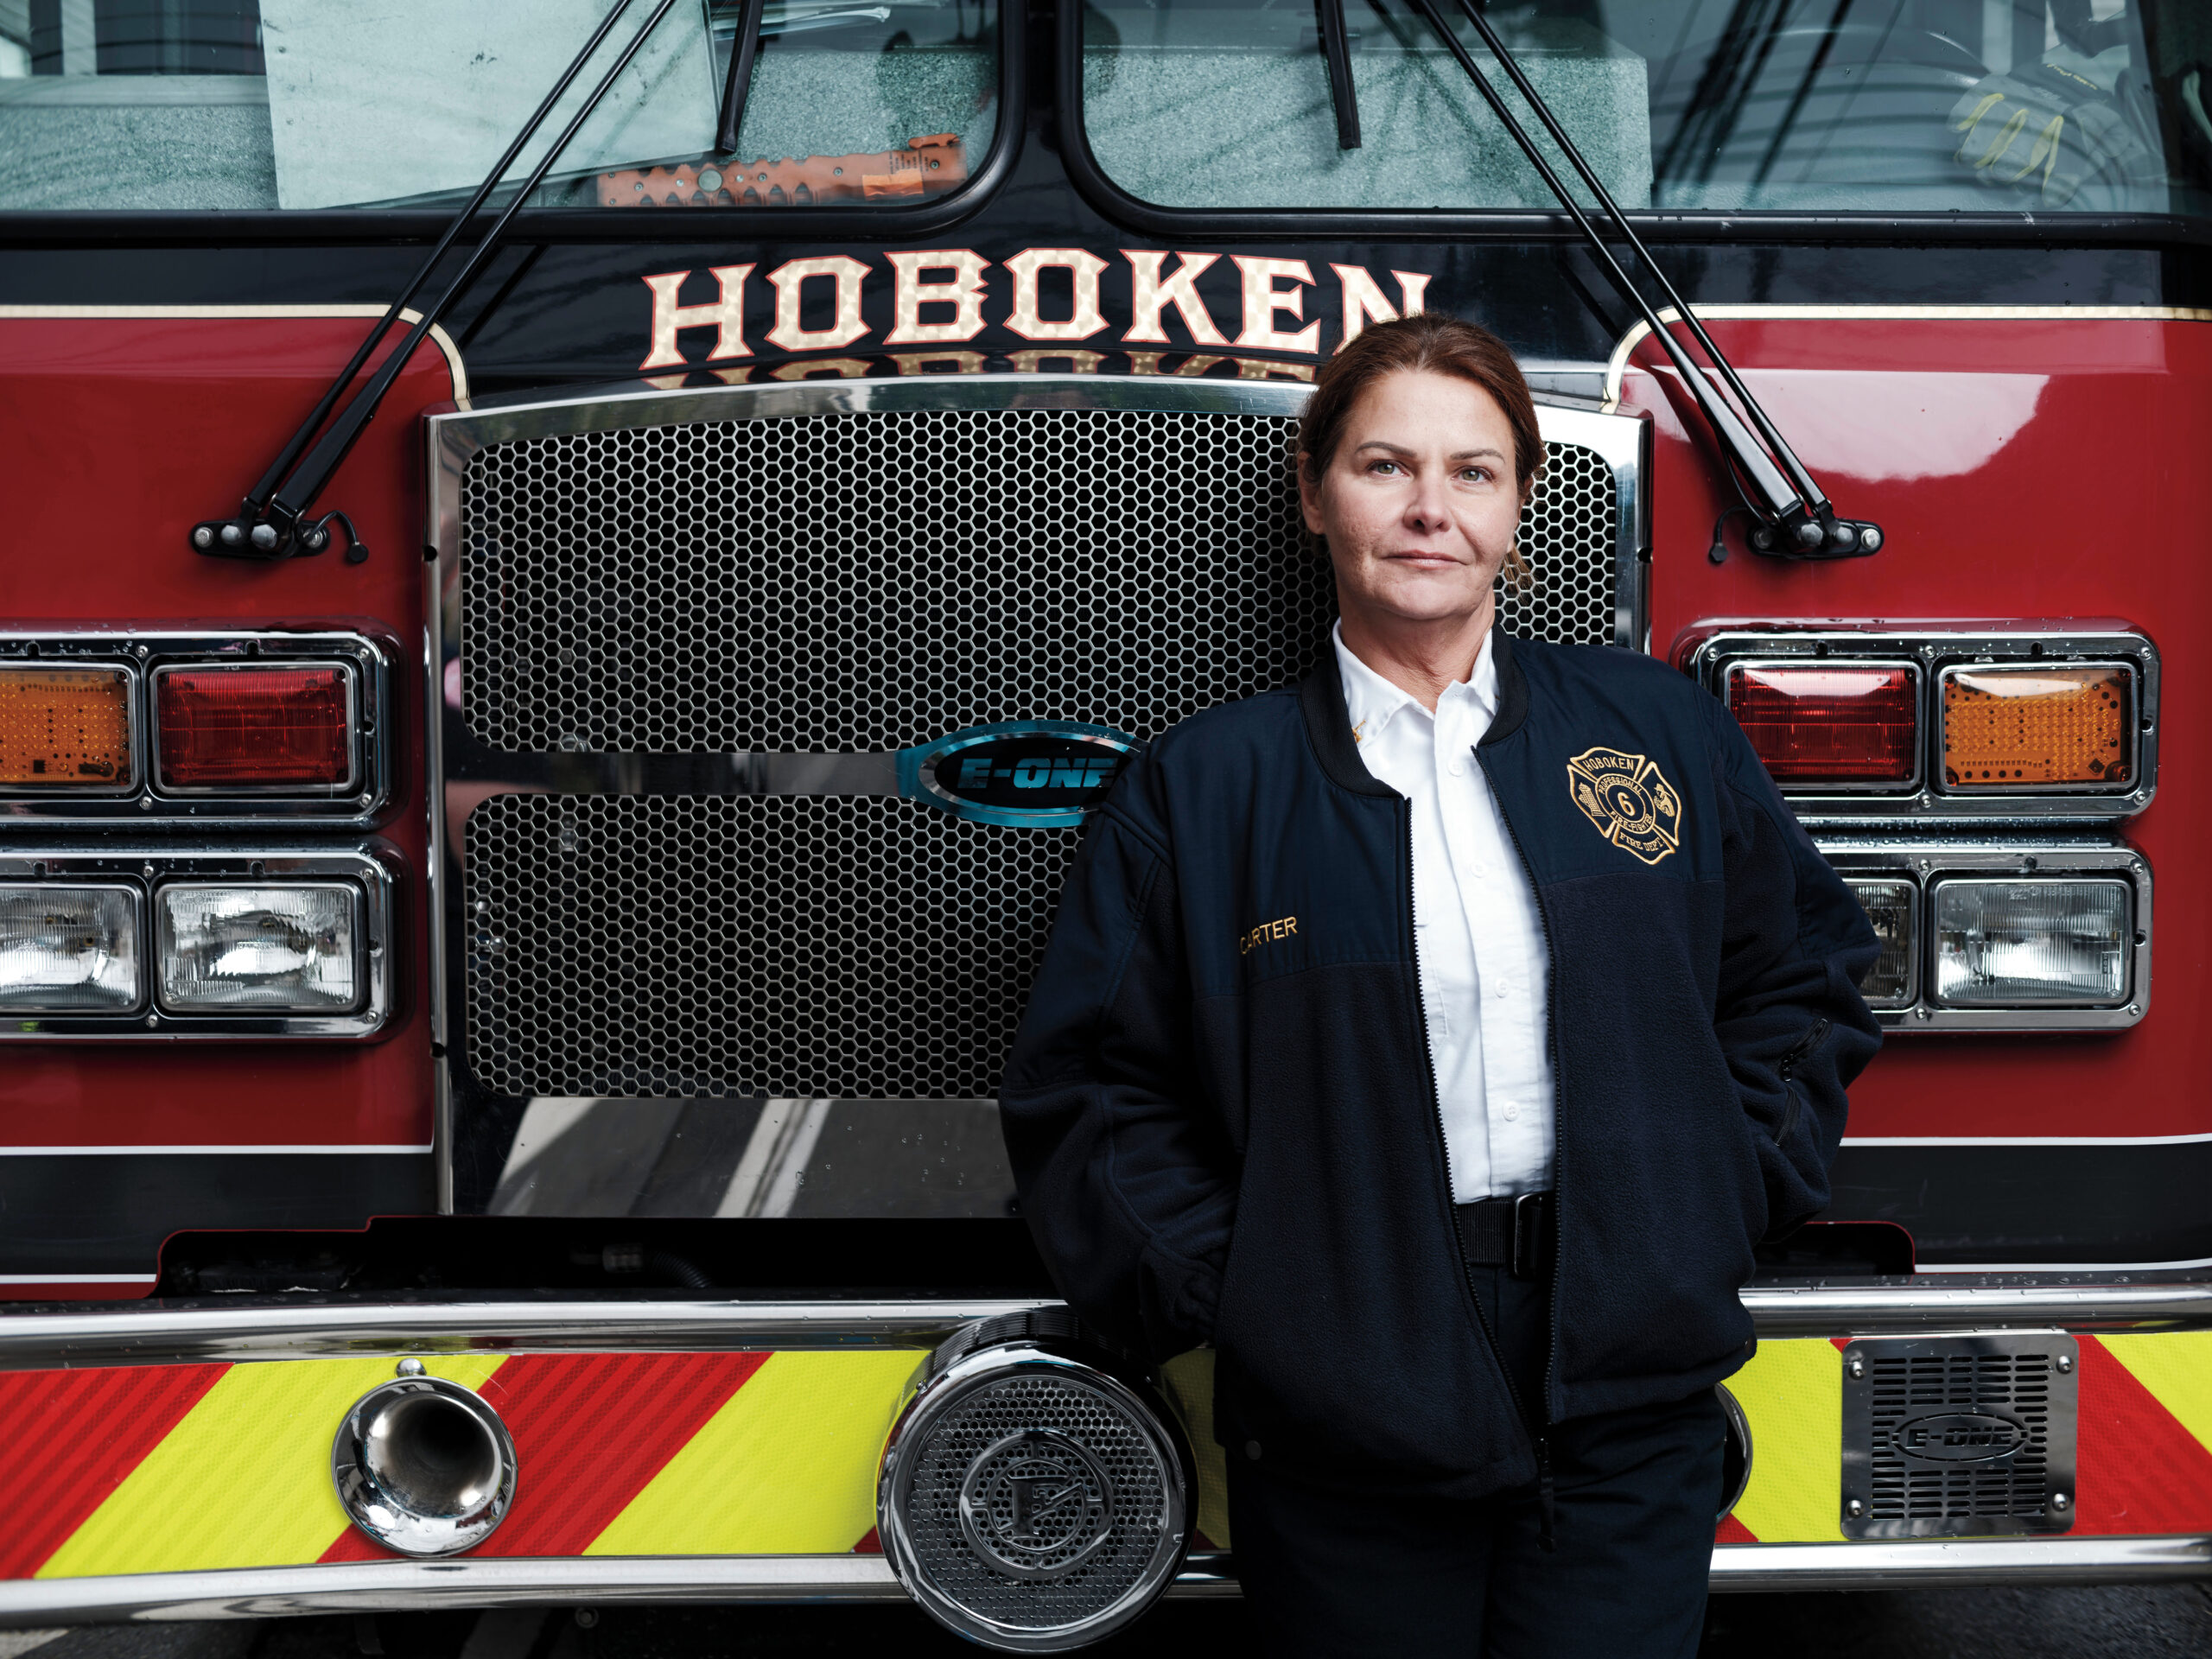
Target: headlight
x=69 y=949
x=1893 y=908
x=292 y=949
x=2047 y=943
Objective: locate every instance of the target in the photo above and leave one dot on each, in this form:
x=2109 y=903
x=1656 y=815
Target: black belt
x=1514 y=1233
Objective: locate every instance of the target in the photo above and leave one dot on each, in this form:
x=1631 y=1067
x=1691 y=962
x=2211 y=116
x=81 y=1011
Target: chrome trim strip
x=1890 y=1565
x=1921 y=1305
x=1938 y=649
x=371 y=866
x=489 y=1581
x=153 y=806
x=493 y=1581
x=143 y=1333
x=140 y=1333
x=1926 y=861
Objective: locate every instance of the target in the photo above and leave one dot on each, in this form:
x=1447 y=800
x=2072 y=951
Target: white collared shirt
x=1478 y=937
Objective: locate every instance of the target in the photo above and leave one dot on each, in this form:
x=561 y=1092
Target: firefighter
x=1435 y=1037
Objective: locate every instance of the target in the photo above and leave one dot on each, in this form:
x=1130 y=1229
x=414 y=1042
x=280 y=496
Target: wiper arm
x=1336 y=47
x=1797 y=519
x=739 y=86
x=272 y=521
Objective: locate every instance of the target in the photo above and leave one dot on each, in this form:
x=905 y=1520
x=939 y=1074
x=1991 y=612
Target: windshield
x=1797 y=105
x=321 y=104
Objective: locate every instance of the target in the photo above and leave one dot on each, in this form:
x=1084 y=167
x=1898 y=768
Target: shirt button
x=1512 y=1113
x=1455 y=767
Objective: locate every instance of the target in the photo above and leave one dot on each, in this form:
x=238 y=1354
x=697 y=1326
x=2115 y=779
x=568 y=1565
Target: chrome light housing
x=2043 y=933
x=424 y=1466
x=1034 y=1495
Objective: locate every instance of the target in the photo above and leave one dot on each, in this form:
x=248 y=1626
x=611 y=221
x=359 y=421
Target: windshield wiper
x=739 y=86
x=272 y=522
x=1336 y=47
x=1796 y=519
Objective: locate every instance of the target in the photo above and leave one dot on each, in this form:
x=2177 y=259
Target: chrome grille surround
x=618 y=613
x=1956 y=1437
x=1031 y=1500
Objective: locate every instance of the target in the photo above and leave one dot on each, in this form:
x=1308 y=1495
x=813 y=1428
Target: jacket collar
x=1321 y=700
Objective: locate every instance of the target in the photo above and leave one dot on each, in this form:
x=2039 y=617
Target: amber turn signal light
x=254 y=726
x=64 y=727
x=2020 y=724
x=1852 y=723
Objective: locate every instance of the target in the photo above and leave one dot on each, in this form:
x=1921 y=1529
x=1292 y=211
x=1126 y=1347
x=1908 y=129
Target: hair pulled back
x=1426 y=342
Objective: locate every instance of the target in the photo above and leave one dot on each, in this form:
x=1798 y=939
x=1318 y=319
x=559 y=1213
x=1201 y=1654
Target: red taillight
x=1840 y=723
x=254 y=728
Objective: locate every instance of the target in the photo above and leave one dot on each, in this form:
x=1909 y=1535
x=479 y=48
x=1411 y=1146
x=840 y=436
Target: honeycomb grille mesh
x=853 y=947
x=857 y=582
x=971 y=1428
x=1909 y=1489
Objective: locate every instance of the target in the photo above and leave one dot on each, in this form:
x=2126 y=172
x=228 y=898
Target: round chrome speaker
x=424 y=1466
x=1033 y=1497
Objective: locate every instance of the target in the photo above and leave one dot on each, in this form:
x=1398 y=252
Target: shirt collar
x=1372 y=703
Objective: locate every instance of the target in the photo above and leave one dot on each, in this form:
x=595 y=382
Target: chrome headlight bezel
x=370 y=869
x=1926 y=865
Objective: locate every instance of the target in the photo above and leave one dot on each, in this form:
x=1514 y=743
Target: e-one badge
x=1633 y=806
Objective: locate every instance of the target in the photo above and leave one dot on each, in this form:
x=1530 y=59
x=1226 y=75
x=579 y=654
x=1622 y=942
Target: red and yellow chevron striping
x=2143 y=1463
x=174 y=1468
x=178 y=1468
x=73 y=1436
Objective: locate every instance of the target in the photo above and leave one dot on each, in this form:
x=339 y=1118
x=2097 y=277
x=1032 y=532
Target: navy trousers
x=1637 y=1491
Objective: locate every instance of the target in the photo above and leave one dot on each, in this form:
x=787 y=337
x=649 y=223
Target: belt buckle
x=1527 y=1250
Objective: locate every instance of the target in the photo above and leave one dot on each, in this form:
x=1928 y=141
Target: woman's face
x=1419 y=503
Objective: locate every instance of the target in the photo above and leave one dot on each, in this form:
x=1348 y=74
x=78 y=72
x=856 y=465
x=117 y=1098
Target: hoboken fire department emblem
x=1036 y=1505
x=1633 y=806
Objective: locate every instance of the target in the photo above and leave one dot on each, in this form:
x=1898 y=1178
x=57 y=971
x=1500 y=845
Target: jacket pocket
x=1802 y=1050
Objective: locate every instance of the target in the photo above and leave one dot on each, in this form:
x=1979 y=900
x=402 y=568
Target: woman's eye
x=1383 y=466
x=1476 y=474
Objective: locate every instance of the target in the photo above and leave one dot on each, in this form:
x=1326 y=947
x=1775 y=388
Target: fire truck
x=572 y=573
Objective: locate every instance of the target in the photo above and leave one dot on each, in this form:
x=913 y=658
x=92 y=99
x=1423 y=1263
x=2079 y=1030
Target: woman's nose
x=1427 y=507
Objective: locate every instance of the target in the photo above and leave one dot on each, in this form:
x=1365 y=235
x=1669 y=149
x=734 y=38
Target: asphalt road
x=2171 y=1621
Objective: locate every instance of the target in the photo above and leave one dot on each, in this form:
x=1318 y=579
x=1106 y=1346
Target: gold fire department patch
x=1632 y=805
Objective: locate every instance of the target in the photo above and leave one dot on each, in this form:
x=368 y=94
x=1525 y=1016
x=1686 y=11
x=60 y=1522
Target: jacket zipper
x=1801 y=1050
x=1545 y=1497
x=1541 y=1444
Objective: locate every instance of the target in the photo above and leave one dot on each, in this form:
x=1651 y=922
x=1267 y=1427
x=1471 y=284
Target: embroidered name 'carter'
x=1632 y=805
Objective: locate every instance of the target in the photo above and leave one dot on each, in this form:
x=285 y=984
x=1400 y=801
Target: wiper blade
x=272 y=521
x=1336 y=47
x=1798 y=519
x=735 y=90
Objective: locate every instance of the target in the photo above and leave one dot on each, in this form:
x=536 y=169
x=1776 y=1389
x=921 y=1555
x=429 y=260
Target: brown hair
x=1428 y=342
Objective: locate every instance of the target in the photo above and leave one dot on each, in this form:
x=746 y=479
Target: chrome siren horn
x=424 y=1466
x=1035 y=1493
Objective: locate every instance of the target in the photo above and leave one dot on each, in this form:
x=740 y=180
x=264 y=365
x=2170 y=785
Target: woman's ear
x=1309 y=497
